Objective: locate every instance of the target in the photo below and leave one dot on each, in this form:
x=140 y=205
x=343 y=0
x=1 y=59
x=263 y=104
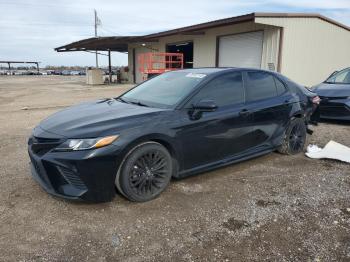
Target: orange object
x=158 y=63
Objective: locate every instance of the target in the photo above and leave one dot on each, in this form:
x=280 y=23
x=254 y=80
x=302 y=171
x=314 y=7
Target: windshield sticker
x=194 y=75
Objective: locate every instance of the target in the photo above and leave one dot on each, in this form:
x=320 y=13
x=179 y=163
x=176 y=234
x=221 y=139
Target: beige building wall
x=138 y=50
x=204 y=46
x=312 y=48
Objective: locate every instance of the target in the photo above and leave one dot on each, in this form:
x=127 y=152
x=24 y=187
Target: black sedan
x=335 y=96
x=174 y=125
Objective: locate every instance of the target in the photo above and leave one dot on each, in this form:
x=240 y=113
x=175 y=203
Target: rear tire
x=145 y=172
x=295 y=137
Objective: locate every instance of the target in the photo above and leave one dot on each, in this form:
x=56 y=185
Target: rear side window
x=279 y=86
x=223 y=90
x=260 y=85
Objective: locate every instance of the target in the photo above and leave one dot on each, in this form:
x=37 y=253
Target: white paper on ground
x=332 y=150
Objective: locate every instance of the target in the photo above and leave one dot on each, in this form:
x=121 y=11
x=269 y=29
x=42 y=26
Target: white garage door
x=241 y=50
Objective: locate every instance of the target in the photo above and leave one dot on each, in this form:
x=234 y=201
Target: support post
x=37 y=68
x=109 y=66
x=96 y=36
x=9 y=68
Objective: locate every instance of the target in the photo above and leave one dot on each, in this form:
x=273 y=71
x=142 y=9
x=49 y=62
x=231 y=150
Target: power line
x=63 y=24
x=109 y=31
x=20 y=4
x=44 y=24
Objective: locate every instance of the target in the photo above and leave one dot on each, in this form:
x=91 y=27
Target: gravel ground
x=272 y=208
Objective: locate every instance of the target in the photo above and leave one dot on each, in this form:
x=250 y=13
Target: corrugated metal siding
x=270 y=48
x=204 y=46
x=312 y=48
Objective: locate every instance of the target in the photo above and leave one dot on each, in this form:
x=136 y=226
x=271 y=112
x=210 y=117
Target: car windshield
x=341 y=77
x=164 y=91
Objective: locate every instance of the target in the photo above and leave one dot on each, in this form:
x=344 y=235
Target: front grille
x=41 y=146
x=72 y=178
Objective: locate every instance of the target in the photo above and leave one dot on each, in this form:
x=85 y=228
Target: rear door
x=269 y=102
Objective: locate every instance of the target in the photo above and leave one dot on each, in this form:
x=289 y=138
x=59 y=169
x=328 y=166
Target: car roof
x=206 y=70
x=212 y=70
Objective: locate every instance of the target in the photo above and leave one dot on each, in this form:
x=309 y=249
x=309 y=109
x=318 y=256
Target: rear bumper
x=81 y=175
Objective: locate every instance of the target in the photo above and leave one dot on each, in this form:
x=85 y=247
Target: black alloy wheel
x=295 y=137
x=145 y=173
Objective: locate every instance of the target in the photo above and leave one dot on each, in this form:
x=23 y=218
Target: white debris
x=332 y=150
x=313 y=149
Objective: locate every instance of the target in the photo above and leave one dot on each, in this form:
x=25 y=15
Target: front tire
x=295 y=137
x=145 y=172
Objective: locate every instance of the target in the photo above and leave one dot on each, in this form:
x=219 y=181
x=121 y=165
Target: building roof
x=120 y=43
x=303 y=15
x=112 y=43
x=244 y=18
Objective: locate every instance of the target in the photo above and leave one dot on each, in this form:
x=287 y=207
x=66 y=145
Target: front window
x=164 y=91
x=341 y=77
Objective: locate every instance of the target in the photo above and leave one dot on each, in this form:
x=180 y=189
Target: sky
x=30 y=30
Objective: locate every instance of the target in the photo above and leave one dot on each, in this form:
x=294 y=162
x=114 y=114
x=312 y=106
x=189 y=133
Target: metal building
x=305 y=47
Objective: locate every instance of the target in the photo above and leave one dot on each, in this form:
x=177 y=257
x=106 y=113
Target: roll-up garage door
x=241 y=50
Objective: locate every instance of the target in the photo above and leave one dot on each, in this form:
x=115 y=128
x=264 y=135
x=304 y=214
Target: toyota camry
x=174 y=125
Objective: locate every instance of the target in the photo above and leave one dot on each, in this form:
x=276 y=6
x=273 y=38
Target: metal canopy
x=112 y=43
x=120 y=43
x=20 y=62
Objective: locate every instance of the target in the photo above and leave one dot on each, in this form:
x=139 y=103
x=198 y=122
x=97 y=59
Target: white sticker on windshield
x=194 y=75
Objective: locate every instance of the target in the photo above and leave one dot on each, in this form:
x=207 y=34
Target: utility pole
x=96 y=24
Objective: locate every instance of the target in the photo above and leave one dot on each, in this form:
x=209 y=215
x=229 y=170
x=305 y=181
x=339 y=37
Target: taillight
x=316 y=100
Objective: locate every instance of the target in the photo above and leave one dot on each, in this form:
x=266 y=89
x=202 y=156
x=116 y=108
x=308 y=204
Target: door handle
x=244 y=112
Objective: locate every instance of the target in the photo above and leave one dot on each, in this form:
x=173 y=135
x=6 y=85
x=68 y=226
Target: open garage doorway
x=186 y=48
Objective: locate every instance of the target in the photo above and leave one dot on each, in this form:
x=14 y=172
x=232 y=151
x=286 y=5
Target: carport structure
x=107 y=44
x=20 y=62
x=305 y=47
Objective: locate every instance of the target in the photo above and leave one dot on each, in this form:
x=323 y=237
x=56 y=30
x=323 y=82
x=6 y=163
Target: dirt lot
x=285 y=208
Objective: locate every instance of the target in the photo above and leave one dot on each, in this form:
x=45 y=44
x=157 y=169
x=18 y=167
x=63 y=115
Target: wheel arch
x=168 y=142
x=297 y=112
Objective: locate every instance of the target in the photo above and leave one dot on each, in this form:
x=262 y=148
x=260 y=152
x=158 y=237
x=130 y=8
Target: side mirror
x=205 y=106
x=200 y=107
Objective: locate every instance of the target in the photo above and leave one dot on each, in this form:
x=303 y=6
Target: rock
x=115 y=240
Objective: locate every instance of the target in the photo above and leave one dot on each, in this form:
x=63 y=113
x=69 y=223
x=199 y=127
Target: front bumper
x=335 y=108
x=78 y=175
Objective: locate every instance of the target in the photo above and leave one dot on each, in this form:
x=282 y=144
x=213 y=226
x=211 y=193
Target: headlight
x=84 y=144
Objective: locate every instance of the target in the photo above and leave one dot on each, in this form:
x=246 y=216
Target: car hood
x=332 y=90
x=97 y=118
